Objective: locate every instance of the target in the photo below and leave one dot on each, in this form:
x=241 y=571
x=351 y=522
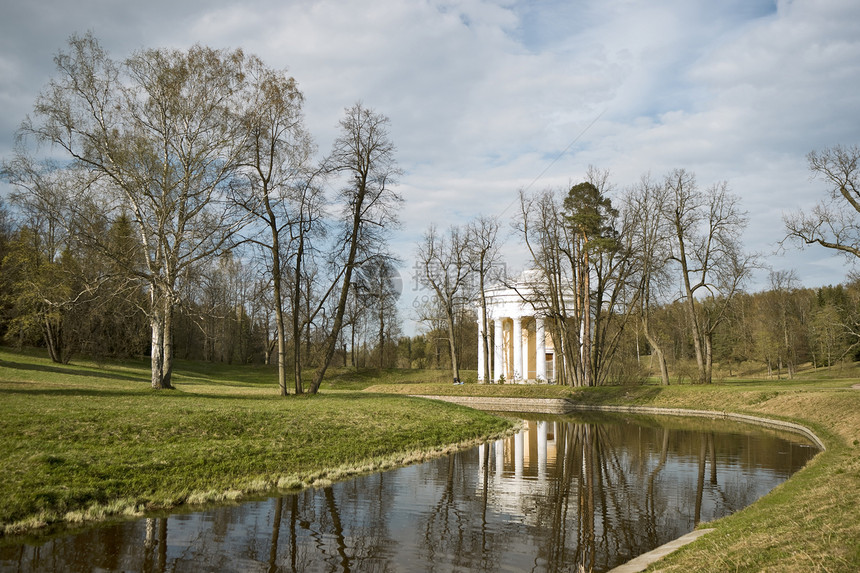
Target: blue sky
x=484 y=96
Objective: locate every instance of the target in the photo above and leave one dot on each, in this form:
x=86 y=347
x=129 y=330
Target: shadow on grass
x=71 y=371
x=616 y=394
x=71 y=392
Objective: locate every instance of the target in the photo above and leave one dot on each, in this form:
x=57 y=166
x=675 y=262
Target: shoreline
x=567 y=406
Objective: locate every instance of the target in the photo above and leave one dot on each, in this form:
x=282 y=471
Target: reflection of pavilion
x=528 y=453
x=522 y=350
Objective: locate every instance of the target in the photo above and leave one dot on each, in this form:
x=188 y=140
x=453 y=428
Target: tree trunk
x=709 y=359
x=585 y=335
x=455 y=359
x=157 y=352
x=282 y=346
x=485 y=335
x=698 y=335
x=53 y=334
x=381 y=335
x=297 y=324
x=270 y=346
x=279 y=305
x=656 y=350
x=331 y=340
x=281 y=330
x=161 y=323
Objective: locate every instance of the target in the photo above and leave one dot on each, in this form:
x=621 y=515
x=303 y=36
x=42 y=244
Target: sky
x=486 y=98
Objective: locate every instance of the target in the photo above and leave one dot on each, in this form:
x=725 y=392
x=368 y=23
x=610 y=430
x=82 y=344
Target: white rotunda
x=522 y=350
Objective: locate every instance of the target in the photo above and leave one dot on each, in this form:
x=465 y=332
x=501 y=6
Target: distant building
x=521 y=349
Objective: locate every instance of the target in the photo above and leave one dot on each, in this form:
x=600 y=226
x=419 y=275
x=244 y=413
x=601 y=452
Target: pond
x=585 y=489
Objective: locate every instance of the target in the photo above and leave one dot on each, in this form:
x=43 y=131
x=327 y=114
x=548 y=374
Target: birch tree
x=160 y=136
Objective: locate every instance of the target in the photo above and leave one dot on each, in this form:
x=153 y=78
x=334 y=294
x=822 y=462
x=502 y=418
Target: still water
x=590 y=490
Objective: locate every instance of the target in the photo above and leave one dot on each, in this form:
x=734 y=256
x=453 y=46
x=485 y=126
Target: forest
x=173 y=205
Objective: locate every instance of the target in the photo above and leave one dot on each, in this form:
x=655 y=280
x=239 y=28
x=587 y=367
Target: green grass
x=362 y=379
x=88 y=441
x=498 y=390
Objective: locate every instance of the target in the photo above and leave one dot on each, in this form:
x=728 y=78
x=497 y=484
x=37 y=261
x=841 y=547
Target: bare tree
x=582 y=246
x=446 y=265
x=283 y=198
x=706 y=229
x=833 y=223
x=55 y=279
x=365 y=154
x=550 y=243
x=376 y=287
x=650 y=235
x=616 y=290
x=160 y=135
x=485 y=255
x=7 y=228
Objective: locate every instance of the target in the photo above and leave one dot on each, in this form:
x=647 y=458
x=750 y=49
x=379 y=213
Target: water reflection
x=564 y=492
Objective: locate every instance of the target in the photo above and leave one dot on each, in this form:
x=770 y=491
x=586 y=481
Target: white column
x=480 y=348
x=541 y=453
x=540 y=350
x=519 y=453
x=526 y=354
x=500 y=457
x=498 y=357
x=517 y=343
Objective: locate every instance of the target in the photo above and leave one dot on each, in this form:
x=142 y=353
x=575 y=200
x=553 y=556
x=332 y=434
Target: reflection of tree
x=276 y=534
x=294 y=510
x=333 y=525
x=155 y=545
x=594 y=511
x=338 y=529
x=573 y=475
x=650 y=493
x=439 y=517
x=457 y=529
x=485 y=450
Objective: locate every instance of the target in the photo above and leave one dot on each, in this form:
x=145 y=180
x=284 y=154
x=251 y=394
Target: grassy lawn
x=809 y=523
x=88 y=441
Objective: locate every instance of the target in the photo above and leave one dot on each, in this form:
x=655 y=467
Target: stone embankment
x=567 y=406
x=531 y=405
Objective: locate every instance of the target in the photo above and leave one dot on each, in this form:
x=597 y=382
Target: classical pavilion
x=521 y=349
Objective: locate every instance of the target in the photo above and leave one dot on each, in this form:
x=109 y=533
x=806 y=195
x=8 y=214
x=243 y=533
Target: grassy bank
x=88 y=441
x=809 y=523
